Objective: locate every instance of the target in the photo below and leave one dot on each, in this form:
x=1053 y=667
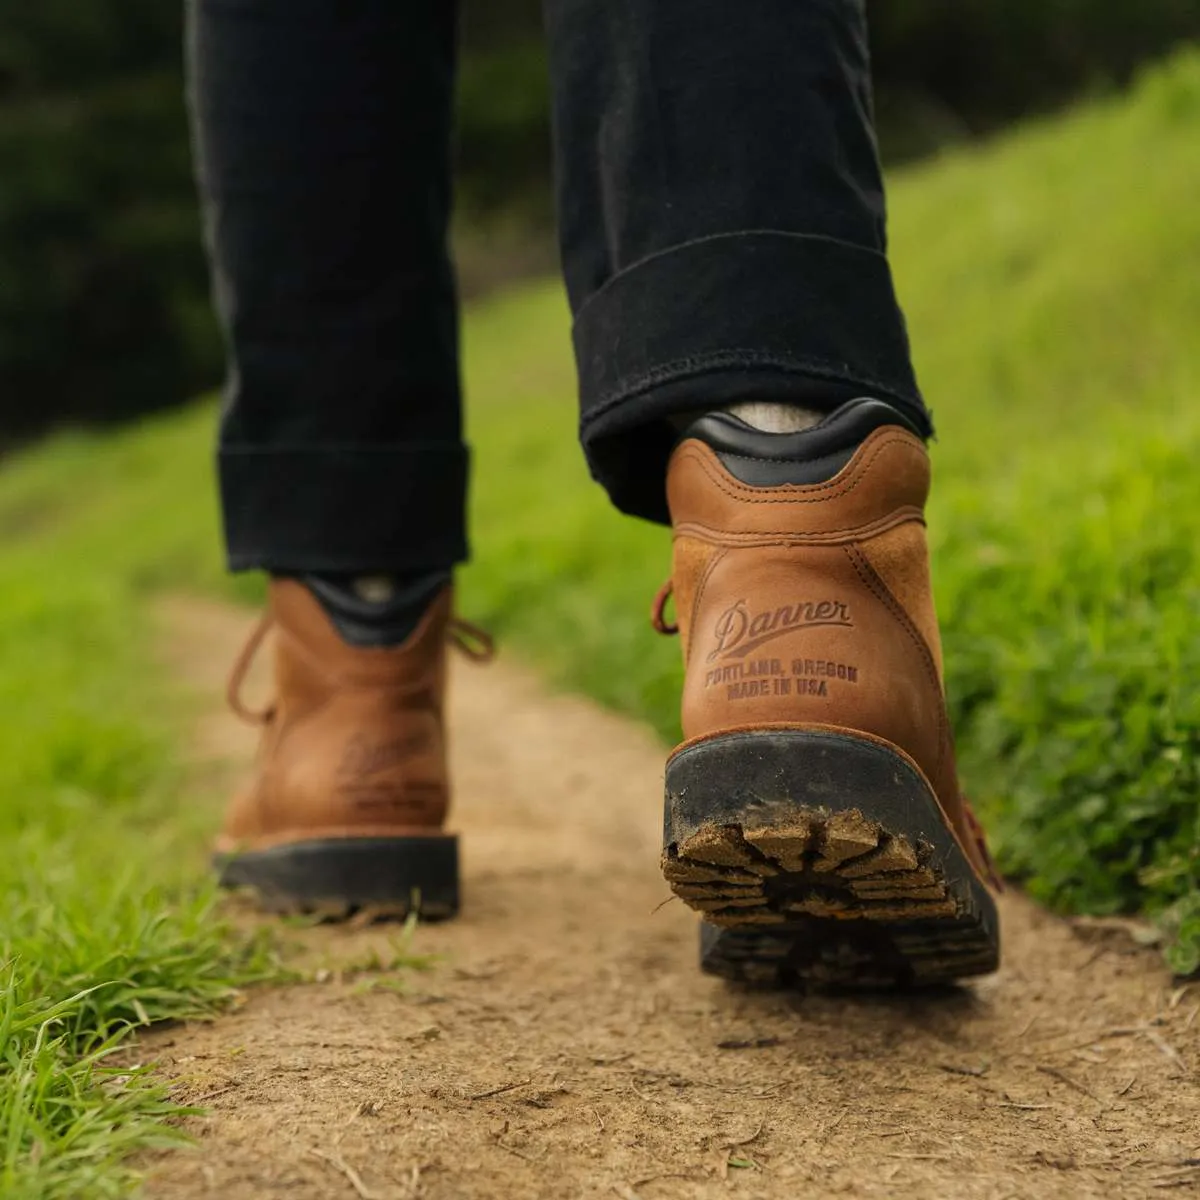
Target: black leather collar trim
x=814 y=455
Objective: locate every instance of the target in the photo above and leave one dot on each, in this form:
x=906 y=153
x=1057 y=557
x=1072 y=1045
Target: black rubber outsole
x=342 y=877
x=821 y=859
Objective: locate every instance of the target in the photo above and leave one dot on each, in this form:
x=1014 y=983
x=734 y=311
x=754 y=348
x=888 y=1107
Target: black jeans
x=721 y=217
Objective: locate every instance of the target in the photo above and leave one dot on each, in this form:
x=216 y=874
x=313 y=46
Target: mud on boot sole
x=336 y=878
x=819 y=858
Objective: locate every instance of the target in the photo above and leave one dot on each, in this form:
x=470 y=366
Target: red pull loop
x=233 y=691
x=658 y=612
x=470 y=640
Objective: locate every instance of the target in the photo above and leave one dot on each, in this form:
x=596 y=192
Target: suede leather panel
x=355 y=744
x=692 y=559
x=900 y=558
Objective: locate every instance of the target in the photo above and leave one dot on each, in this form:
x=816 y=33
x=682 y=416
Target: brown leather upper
x=811 y=605
x=353 y=745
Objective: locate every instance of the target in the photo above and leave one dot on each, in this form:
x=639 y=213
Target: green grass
x=106 y=925
x=1053 y=299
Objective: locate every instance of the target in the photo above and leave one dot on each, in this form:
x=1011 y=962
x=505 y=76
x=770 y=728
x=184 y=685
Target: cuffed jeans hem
x=784 y=310
x=344 y=508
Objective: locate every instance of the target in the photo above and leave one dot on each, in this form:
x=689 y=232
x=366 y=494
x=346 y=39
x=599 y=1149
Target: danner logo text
x=362 y=756
x=737 y=632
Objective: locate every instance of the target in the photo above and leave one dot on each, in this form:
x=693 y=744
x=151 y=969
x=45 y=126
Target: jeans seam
x=717 y=237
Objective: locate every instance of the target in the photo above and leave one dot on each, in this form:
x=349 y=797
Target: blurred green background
x=1048 y=268
x=103 y=297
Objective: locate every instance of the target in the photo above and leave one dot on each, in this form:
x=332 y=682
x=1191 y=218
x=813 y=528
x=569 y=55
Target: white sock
x=773 y=417
x=374 y=589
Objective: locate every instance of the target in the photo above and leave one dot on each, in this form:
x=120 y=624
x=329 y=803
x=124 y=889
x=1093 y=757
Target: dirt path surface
x=564 y=1044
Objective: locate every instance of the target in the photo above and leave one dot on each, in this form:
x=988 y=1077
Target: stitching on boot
x=701 y=584
x=900 y=516
x=874 y=582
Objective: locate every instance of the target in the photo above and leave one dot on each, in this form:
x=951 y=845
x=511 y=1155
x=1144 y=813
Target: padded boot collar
x=814 y=455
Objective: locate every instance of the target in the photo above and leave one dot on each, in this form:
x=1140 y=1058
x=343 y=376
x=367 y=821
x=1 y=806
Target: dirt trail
x=564 y=1044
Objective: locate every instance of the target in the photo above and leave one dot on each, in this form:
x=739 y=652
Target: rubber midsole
x=352 y=871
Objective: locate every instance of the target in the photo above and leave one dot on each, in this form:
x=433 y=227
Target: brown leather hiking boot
x=813 y=814
x=346 y=807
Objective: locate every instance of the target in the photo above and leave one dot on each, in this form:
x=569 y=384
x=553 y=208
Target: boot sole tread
x=865 y=887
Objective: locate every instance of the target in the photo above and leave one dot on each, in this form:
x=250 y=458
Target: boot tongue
x=811 y=456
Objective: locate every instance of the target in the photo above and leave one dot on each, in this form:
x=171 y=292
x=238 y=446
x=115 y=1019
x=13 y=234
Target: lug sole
x=821 y=859
x=338 y=878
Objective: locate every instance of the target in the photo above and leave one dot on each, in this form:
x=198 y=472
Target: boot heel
x=821 y=857
x=338 y=877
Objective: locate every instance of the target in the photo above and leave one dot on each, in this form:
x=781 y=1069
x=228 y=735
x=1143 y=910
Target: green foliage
x=1071 y=602
x=503 y=120
x=68 y=45
x=1182 y=923
x=946 y=69
x=103 y=291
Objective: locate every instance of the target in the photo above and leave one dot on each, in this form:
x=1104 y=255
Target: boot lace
x=473 y=643
x=658 y=610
